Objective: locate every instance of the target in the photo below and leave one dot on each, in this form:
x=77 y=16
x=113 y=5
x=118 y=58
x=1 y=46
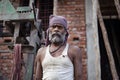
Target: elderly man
x=59 y=60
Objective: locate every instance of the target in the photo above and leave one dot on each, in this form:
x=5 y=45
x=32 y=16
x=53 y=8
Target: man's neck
x=57 y=44
x=55 y=47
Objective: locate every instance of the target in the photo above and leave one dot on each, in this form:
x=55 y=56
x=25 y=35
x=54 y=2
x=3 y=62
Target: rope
x=57 y=48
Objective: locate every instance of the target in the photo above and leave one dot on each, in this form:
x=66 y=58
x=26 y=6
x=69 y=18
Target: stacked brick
x=6 y=61
x=74 y=11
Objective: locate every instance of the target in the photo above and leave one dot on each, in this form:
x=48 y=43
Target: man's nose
x=56 y=29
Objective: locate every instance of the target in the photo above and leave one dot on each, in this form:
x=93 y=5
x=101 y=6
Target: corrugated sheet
x=7 y=11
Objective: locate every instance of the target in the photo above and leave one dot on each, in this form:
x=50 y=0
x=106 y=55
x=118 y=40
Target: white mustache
x=56 y=37
x=56 y=33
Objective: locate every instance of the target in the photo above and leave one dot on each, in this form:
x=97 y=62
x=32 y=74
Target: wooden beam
x=30 y=3
x=93 y=62
x=110 y=17
x=55 y=7
x=107 y=45
x=5 y=51
x=10 y=43
x=117 y=4
x=16 y=31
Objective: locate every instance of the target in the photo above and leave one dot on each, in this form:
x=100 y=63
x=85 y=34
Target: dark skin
x=74 y=54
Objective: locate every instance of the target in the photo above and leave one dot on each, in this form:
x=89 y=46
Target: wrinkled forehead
x=57 y=24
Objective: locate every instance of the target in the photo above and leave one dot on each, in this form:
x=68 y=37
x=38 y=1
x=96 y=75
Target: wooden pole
x=107 y=45
x=55 y=7
x=117 y=5
x=93 y=53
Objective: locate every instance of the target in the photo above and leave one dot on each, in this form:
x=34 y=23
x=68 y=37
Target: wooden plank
x=30 y=3
x=55 y=7
x=110 y=17
x=30 y=66
x=16 y=31
x=5 y=51
x=117 y=5
x=10 y=43
x=107 y=45
x=93 y=62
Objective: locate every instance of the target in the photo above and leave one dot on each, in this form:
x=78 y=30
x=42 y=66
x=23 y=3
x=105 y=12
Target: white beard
x=56 y=38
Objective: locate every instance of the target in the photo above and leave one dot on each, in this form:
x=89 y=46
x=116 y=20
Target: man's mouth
x=56 y=34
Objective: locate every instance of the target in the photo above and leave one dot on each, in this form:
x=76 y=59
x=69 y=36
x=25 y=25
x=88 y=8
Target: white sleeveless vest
x=57 y=68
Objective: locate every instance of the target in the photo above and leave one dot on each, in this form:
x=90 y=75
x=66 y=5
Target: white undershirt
x=57 y=68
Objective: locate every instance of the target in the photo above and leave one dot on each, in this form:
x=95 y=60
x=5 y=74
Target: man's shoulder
x=73 y=47
x=41 y=50
x=75 y=52
x=40 y=53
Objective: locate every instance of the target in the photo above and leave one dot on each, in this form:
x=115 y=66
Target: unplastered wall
x=6 y=61
x=74 y=11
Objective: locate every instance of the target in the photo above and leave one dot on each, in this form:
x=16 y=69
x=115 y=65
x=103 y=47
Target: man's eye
x=53 y=26
x=57 y=26
x=60 y=27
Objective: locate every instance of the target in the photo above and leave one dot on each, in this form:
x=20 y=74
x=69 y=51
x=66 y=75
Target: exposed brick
x=1 y=40
x=74 y=11
x=75 y=14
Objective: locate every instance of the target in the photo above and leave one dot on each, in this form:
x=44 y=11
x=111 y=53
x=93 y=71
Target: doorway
x=112 y=27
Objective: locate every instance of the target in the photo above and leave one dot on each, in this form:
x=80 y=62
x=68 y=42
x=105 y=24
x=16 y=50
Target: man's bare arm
x=77 y=62
x=38 y=74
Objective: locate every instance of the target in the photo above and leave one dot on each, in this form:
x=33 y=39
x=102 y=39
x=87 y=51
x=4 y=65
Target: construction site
x=93 y=25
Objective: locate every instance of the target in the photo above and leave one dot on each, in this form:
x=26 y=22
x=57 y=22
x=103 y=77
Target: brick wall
x=74 y=11
x=6 y=61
